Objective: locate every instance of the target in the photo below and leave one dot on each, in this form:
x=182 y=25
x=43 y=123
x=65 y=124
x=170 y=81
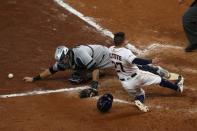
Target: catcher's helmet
x=61 y=52
x=104 y=103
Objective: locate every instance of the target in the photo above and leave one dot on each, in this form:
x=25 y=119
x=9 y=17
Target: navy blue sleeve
x=140 y=61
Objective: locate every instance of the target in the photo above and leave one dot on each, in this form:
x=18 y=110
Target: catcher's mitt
x=88 y=93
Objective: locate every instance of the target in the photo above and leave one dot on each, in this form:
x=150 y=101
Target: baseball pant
x=143 y=78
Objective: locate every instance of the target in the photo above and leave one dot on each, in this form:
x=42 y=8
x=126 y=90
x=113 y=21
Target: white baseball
x=10 y=75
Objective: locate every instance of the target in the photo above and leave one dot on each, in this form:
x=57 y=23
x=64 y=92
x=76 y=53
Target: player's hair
x=119 y=38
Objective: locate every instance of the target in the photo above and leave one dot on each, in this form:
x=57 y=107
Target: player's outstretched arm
x=95 y=78
x=92 y=91
x=95 y=75
x=42 y=75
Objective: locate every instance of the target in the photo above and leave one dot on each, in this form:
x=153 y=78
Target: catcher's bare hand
x=28 y=79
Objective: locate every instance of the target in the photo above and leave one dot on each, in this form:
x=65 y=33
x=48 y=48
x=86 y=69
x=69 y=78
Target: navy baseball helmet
x=104 y=103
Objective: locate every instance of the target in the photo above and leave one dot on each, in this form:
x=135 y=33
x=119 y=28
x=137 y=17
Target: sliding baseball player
x=131 y=77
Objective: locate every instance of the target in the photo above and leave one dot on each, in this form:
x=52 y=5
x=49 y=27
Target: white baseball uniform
x=132 y=78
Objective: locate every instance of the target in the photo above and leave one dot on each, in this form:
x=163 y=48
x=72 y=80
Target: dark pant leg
x=190 y=24
x=148 y=68
x=80 y=76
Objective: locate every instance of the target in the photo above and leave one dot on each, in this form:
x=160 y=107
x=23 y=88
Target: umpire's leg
x=190 y=27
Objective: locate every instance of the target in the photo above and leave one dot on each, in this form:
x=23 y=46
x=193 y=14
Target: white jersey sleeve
x=129 y=56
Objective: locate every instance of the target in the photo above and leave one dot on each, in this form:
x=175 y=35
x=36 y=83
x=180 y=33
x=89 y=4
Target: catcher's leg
x=80 y=76
x=83 y=75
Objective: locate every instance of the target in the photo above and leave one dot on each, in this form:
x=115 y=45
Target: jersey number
x=118 y=66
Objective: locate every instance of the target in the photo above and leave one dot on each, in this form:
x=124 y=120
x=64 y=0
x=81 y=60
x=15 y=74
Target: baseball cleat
x=141 y=106
x=179 y=83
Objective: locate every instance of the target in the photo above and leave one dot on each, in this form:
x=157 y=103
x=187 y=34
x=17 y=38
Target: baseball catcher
x=85 y=60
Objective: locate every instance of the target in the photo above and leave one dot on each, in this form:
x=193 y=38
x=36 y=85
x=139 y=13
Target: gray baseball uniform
x=88 y=57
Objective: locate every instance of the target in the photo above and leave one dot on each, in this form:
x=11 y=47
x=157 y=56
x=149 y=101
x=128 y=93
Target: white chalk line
x=84 y=18
x=40 y=92
x=73 y=89
x=77 y=89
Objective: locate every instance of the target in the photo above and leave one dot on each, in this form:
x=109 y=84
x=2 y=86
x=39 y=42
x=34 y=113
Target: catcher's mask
x=104 y=103
x=64 y=55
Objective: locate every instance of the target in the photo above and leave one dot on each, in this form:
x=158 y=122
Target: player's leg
x=148 y=68
x=80 y=76
x=150 y=78
x=133 y=89
x=155 y=70
x=159 y=71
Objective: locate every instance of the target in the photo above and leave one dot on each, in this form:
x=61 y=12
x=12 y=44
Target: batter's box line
x=41 y=92
x=77 y=89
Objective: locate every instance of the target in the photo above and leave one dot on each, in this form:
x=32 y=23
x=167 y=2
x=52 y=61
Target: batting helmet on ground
x=104 y=103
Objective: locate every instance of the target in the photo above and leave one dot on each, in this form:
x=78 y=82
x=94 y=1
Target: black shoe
x=76 y=78
x=179 y=83
x=190 y=48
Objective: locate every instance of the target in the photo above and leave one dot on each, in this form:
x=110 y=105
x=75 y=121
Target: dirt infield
x=30 y=32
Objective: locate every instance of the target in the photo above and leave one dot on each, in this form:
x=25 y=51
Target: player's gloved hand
x=90 y=92
x=28 y=79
